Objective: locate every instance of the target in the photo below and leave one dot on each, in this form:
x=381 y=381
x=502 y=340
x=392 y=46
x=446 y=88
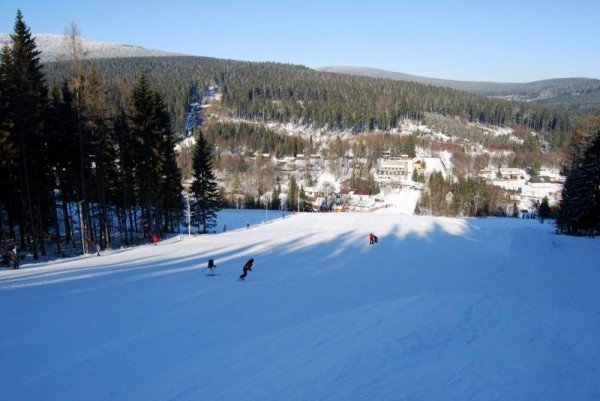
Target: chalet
x=512 y=173
x=541 y=182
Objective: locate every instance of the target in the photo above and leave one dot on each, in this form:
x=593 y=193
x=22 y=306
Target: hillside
x=292 y=93
x=52 y=48
x=323 y=315
x=295 y=94
x=574 y=94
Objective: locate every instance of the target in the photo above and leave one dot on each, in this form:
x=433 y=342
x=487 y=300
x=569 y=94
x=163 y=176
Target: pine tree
x=24 y=98
x=580 y=204
x=171 y=193
x=148 y=145
x=293 y=194
x=544 y=209
x=204 y=188
x=515 y=210
x=275 y=201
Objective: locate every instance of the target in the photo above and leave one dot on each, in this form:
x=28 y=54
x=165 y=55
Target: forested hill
x=52 y=47
x=580 y=95
x=292 y=93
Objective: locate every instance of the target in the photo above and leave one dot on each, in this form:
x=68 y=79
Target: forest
x=292 y=93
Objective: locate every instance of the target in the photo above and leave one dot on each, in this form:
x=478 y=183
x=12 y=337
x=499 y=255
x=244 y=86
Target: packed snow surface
x=439 y=309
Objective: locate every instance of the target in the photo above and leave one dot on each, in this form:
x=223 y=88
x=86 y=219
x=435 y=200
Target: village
x=396 y=183
x=396 y=180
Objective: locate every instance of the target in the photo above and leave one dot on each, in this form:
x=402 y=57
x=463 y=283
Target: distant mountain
x=52 y=46
x=574 y=94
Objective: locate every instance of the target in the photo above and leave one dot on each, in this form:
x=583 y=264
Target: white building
x=393 y=171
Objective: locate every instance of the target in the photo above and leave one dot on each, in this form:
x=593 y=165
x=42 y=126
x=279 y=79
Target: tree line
x=291 y=93
x=71 y=164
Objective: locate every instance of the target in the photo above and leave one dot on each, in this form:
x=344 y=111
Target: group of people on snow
x=248 y=266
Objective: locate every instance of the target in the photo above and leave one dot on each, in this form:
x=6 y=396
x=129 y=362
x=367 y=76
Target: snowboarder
x=247 y=268
x=372 y=238
x=155 y=239
x=210 y=266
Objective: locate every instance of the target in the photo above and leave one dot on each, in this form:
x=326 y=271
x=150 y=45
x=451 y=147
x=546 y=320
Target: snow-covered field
x=440 y=309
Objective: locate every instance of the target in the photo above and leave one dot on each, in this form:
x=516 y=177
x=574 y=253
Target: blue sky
x=468 y=40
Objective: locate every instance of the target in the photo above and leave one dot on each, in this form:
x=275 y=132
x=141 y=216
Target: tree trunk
x=66 y=218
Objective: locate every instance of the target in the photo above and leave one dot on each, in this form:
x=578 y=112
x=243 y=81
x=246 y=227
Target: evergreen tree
x=204 y=188
x=24 y=102
x=171 y=194
x=293 y=194
x=147 y=149
x=303 y=199
x=544 y=209
x=580 y=205
x=275 y=201
x=515 y=210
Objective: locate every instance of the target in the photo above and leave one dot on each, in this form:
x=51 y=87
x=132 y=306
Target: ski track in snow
x=440 y=309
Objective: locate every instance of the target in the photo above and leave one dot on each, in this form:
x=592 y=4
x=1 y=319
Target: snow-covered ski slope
x=440 y=309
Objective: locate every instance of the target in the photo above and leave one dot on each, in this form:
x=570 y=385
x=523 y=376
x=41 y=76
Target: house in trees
x=488 y=173
x=509 y=173
x=393 y=172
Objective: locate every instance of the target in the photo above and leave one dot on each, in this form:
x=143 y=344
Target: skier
x=372 y=239
x=154 y=239
x=247 y=224
x=16 y=258
x=89 y=240
x=247 y=268
x=210 y=266
x=224 y=228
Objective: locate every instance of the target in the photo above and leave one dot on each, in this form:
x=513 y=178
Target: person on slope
x=16 y=257
x=155 y=239
x=247 y=268
x=210 y=266
x=372 y=239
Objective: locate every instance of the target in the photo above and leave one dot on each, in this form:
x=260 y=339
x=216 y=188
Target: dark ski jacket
x=248 y=265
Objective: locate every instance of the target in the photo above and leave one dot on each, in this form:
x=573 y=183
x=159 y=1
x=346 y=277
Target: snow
x=404 y=201
x=52 y=47
x=435 y=165
x=440 y=309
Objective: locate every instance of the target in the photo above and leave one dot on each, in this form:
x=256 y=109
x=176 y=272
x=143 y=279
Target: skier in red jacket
x=247 y=268
x=372 y=238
